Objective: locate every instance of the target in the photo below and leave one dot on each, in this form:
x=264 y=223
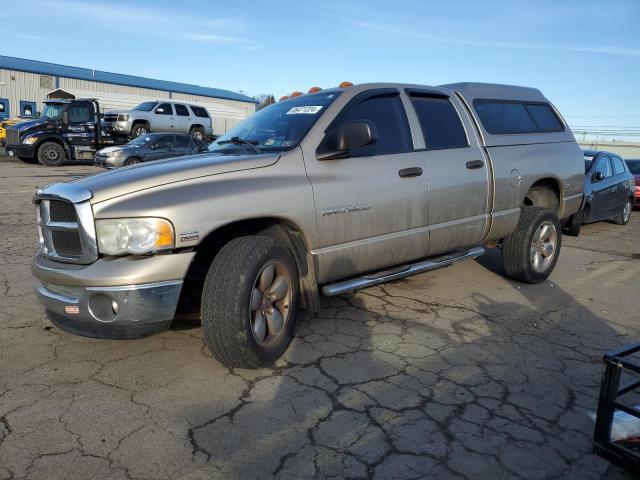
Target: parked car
x=154 y=146
x=325 y=192
x=608 y=191
x=634 y=168
x=160 y=116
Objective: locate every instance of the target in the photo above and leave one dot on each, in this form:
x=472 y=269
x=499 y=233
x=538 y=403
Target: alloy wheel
x=543 y=246
x=269 y=305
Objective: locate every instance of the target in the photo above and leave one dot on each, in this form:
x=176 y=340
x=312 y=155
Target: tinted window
x=166 y=109
x=80 y=113
x=199 y=112
x=145 y=106
x=508 y=117
x=544 y=118
x=634 y=166
x=182 y=141
x=604 y=166
x=440 y=122
x=391 y=126
x=181 y=110
x=618 y=167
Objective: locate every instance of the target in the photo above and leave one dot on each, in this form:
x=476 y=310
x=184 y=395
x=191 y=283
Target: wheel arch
x=284 y=231
x=546 y=193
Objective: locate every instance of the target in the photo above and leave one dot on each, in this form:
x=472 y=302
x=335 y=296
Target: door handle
x=475 y=164
x=410 y=172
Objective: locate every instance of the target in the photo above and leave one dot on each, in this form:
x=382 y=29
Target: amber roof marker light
x=314 y=89
x=345 y=85
x=295 y=94
x=283 y=98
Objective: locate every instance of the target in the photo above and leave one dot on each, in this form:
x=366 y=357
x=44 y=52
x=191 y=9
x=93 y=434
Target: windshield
x=52 y=111
x=145 y=106
x=634 y=166
x=140 y=141
x=279 y=127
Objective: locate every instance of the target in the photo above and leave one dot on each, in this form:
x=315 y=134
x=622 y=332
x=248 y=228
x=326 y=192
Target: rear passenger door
x=456 y=170
x=370 y=206
x=163 y=120
x=622 y=180
x=183 y=118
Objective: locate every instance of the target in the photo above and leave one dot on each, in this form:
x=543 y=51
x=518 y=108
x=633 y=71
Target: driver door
x=79 y=125
x=604 y=191
x=161 y=148
x=370 y=206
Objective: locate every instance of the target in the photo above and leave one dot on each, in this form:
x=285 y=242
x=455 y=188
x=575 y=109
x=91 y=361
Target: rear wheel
x=625 y=215
x=51 y=154
x=531 y=252
x=250 y=302
x=138 y=130
x=198 y=133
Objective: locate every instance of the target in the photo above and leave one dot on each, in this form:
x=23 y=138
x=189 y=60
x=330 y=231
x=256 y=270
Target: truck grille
x=63 y=236
x=13 y=136
x=110 y=117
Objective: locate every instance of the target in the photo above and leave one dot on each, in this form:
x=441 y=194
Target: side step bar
x=400 y=272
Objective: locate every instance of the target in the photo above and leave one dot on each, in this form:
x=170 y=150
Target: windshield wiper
x=241 y=141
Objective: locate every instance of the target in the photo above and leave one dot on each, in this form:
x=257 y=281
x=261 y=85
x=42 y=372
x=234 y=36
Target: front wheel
x=51 y=154
x=250 y=302
x=625 y=215
x=138 y=130
x=132 y=161
x=531 y=252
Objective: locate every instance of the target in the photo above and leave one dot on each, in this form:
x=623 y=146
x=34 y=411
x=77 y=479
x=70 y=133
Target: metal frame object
x=620 y=452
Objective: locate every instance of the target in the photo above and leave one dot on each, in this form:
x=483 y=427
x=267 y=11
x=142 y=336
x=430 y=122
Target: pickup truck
x=321 y=193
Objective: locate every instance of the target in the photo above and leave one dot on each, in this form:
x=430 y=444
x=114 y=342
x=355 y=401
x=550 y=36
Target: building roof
x=45 y=68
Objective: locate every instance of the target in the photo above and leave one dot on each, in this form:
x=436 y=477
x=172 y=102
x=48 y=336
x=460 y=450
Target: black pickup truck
x=68 y=130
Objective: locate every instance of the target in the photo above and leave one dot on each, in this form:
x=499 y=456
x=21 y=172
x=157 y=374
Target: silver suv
x=160 y=116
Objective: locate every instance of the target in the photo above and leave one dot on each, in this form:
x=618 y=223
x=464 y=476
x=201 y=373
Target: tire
x=132 y=161
x=235 y=317
x=51 y=154
x=138 y=130
x=625 y=215
x=198 y=133
x=574 y=224
x=517 y=254
x=29 y=159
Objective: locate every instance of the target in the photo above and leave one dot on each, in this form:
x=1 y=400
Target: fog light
x=103 y=307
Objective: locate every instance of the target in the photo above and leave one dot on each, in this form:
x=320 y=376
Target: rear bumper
x=123 y=312
x=20 y=151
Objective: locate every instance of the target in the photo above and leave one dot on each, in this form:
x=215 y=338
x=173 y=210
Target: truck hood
x=115 y=183
x=32 y=124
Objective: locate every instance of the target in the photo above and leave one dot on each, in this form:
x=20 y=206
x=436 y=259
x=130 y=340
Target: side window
x=604 y=166
x=544 y=118
x=164 y=109
x=618 y=167
x=391 y=126
x=80 y=113
x=182 y=141
x=199 y=112
x=440 y=122
x=181 y=110
x=504 y=117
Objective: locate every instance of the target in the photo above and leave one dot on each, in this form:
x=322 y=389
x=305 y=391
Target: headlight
x=122 y=236
x=123 y=117
x=30 y=140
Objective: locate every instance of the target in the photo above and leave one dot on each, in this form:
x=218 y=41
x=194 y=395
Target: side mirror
x=598 y=176
x=159 y=110
x=65 y=118
x=358 y=133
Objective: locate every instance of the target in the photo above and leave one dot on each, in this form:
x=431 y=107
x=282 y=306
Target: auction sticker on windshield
x=312 y=109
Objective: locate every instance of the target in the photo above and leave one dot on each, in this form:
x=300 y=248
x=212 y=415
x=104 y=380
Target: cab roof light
x=283 y=98
x=295 y=94
x=314 y=89
x=345 y=85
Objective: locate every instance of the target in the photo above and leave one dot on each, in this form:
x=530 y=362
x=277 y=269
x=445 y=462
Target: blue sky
x=584 y=55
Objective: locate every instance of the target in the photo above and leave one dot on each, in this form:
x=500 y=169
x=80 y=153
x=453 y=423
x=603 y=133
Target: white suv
x=159 y=116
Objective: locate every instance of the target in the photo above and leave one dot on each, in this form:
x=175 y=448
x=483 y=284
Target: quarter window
x=181 y=110
x=501 y=117
x=440 y=122
x=387 y=114
x=199 y=112
x=164 y=109
x=618 y=166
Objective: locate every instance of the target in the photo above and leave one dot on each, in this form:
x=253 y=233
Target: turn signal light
x=314 y=89
x=346 y=85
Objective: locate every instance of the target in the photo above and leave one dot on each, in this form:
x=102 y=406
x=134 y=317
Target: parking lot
x=457 y=373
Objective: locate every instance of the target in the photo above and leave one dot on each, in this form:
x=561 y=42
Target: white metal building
x=25 y=84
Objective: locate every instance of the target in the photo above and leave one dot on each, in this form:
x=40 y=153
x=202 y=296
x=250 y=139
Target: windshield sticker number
x=309 y=109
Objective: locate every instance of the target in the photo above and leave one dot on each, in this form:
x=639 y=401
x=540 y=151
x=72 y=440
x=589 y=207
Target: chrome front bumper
x=116 y=312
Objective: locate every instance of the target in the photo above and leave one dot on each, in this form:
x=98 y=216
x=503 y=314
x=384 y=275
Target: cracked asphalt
x=457 y=373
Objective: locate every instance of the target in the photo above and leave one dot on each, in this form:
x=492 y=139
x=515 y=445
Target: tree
x=264 y=100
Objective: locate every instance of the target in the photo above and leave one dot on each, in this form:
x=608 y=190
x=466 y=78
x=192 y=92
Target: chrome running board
x=403 y=271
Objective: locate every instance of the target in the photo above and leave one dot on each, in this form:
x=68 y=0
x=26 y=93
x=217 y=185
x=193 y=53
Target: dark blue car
x=608 y=191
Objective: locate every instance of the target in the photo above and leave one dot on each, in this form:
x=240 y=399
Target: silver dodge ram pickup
x=326 y=192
